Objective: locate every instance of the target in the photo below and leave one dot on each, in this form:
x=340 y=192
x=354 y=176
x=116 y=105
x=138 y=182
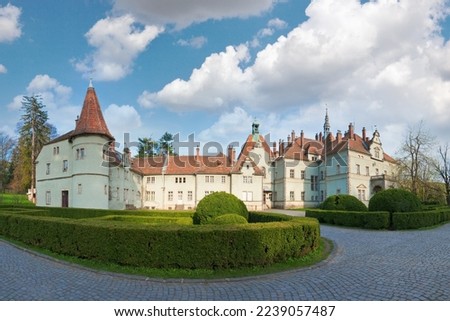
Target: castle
x=83 y=169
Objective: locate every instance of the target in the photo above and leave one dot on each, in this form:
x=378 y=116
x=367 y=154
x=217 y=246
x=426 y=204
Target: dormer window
x=377 y=152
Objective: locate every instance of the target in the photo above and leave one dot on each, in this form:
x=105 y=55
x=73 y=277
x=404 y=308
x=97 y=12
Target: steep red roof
x=91 y=119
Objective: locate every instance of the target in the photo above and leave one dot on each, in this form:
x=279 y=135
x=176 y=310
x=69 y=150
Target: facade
x=83 y=169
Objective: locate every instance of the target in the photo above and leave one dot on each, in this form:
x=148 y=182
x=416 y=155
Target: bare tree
x=442 y=166
x=415 y=157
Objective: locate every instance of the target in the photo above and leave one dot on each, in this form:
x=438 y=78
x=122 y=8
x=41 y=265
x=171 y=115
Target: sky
x=212 y=67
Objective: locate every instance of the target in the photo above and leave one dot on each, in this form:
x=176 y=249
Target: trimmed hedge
x=216 y=204
x=228 y=219
x=167 y=246
x=414 y=220
x=367 y=220
x=343 y=203
x=395 y=200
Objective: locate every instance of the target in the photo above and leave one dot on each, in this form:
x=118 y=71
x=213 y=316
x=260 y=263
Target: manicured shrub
x=366 y=220
x=167 y=246
x=216 y=204
x=343 y=203
x=414 y=220
x=395 y=200
x=228 y=219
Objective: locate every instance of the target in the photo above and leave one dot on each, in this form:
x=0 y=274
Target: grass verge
x=324 y=250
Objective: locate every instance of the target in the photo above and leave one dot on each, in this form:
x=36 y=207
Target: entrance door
x=65 y=199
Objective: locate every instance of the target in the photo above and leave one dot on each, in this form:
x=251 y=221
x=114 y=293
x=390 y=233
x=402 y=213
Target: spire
x=326 y=125
x=91 y=119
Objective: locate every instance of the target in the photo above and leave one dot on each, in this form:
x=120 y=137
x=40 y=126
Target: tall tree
x=166 y=144
x=34 y=133
x=442 y=166
x=147 y=147
x=415 y=157
x=6 y=150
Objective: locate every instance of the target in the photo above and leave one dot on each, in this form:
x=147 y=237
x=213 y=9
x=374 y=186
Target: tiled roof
x=91 y=119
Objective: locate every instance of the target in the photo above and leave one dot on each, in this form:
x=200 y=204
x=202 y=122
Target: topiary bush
x=228 y=219
x=343 y=203
x=216 y=204
x=395 y=200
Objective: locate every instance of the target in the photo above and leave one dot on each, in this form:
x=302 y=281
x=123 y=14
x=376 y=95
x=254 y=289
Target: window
x=322 y=175
x=48 y=169
x=302 y=174
x=367 y=171
x=180 y=179
x=209 y=179
x=189 y=195
x=180 y=195
x=208 y=192
x=117 y=194
x=314 y=183
x=247 y=196
x=291 y=196
x=338 y=169
x=147 y=196
x=358 y=169
x=48 y=198
x=322 y=196
x=377 y=152
x=151 y=180
x=223 y=179
x=291 y=173
x=247 y=179
x=80 y=153
x=303 y=196
x=362 y=194
x=377 y=171
x=65 y=165
x=152 y=196
x=176 y=179
x=80 y=188
x=170 y=196
x=105 y=189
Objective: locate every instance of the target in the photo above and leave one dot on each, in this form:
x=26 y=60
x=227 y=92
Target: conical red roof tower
x=91 y=119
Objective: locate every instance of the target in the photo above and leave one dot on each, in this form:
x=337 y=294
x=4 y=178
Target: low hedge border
x=415 y=220
x=206 y=247
x=366 y=220
x=382 y=220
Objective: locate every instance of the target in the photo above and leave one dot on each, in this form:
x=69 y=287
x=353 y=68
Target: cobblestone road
x=366 y=265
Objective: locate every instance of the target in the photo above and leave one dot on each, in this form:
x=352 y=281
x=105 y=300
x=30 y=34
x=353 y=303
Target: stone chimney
x=339 y=136
x=293 y=136
x=302 y=138
x=231 y=154
x=197 y=153
x=364 y=135
x=320 y=137
x=351 y=131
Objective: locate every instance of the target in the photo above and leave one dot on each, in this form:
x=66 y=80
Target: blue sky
x=210 y=67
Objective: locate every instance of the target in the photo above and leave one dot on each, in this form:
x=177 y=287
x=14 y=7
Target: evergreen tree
x=166 y=144
x=147 y=147
x=34 y=133
x=6 y=150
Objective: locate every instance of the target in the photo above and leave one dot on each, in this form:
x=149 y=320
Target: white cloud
x=378 y=63
x=146 y=99
x=117 y=42
x=9 y=23
x=122 y=119
x=195 y=42
x=55 y=97
x=272 y=26
x=3 y=69
x=218 y=81
x=186 y=12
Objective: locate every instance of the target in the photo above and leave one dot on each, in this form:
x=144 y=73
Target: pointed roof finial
x=326 y=125
x=90 y=83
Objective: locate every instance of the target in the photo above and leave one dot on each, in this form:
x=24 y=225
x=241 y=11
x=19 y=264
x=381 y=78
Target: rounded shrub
x=395 y=200
x=217 y=204
x=343 y=203
x=228 y=219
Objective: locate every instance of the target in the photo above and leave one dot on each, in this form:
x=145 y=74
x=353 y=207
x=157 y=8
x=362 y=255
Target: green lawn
x=14 y=199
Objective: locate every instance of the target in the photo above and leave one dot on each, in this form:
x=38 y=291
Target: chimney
x=320 y=136
x=302 y=138
x=281 y=147
x=317 y=136
x=231 y=154
x=289 y=140
x=364 y=136
x=339 y=136
x=292 y=136
x=351 y=131
x=274 y=148
x=197 y=153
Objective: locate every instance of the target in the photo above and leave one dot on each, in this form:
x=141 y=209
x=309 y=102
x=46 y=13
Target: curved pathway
x=366 y=265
